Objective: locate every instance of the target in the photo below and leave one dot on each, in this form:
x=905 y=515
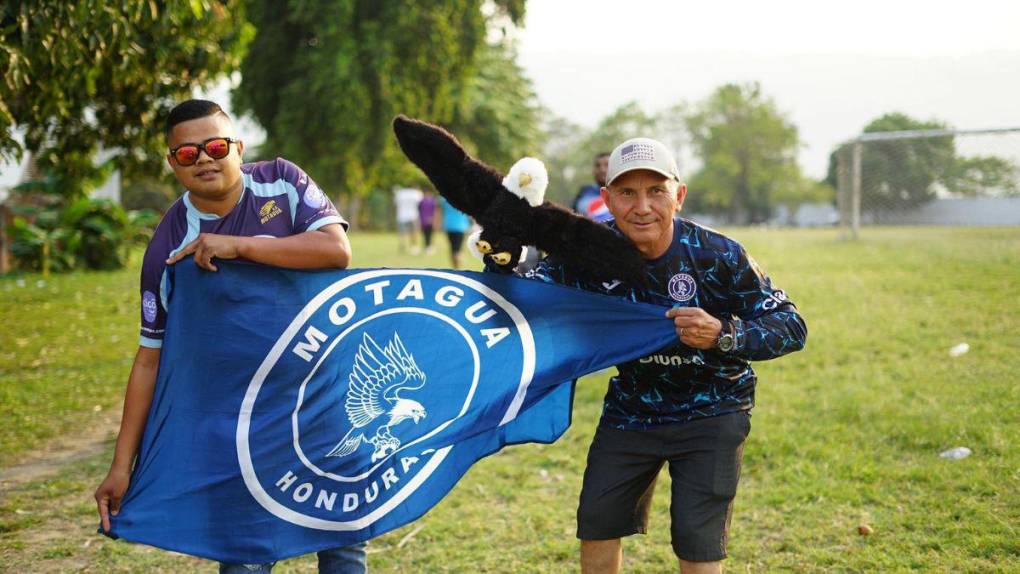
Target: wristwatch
x=727 y=336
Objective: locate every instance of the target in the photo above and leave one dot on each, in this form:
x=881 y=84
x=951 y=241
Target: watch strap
x=737 y=328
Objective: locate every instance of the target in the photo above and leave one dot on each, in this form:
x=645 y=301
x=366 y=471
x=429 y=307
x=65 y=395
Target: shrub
x=100 y=228
x=88 y=233
x=39 y=243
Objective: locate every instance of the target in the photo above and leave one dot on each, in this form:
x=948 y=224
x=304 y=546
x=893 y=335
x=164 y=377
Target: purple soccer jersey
x=278 y=200
x=427 y=211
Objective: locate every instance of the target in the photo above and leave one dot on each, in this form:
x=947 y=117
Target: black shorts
x=704 y=463
x=456 y=240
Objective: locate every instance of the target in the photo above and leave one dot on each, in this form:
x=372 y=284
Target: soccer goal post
x=929 y=177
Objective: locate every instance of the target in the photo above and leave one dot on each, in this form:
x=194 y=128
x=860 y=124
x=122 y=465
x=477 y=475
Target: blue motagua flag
x=302 y=410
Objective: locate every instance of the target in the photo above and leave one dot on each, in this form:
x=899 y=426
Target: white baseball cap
x=641 y=153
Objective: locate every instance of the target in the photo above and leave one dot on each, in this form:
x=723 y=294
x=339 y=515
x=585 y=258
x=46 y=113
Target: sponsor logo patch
x=777 y=298
x=610 y=285
x=673 y=360
x=149 y=306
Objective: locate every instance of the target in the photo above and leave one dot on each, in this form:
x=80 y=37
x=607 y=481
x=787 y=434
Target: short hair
x=192 y=110
x=599 y=156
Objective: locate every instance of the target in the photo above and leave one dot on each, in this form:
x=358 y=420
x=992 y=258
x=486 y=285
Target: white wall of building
x=979 y=211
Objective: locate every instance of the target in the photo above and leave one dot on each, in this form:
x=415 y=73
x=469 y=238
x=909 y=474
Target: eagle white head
x=528 y=178
x=405 y=409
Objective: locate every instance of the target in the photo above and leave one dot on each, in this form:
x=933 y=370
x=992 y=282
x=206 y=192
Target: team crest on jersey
x=381 y=368
x=268 y=211
x=682 y=287
x=314 y=197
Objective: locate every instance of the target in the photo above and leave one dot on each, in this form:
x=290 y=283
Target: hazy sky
x=831 y=67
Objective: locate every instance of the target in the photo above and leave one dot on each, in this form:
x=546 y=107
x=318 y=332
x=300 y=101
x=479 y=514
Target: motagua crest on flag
x=389 y=364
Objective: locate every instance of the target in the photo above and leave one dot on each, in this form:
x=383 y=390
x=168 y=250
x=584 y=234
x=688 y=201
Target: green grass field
x=845 y=433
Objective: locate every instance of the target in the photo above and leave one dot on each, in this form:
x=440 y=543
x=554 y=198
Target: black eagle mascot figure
x=595 y=252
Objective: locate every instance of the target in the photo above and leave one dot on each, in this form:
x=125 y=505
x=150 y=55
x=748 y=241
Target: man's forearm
x=771 y=336
x=137 y=401
x=309 y=250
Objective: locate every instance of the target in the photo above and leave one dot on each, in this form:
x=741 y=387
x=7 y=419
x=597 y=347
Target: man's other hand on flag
x=206 y=246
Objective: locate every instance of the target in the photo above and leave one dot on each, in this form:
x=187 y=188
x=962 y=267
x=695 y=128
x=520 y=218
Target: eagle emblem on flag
x=373 y=402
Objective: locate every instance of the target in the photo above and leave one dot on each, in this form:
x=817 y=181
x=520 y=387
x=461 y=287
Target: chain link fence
x=929 y=177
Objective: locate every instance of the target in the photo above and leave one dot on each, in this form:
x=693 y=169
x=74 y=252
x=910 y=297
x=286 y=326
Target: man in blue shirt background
x=456 y=224
x=588 y=201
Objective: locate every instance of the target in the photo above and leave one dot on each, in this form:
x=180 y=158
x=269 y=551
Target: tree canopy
x=748 y=152
x=745 y=148
x=326 y=77
x=497 y=115
x=570 y=150
x=79 y=75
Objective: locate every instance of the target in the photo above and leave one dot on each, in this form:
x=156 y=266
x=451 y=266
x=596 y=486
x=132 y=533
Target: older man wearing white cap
x=689 y=404
x=643 y=192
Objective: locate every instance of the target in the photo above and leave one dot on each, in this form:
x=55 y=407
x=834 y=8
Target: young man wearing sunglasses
x=268 y=212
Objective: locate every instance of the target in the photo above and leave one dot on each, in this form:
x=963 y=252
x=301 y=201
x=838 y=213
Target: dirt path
x=51 y=527
x=47 y=460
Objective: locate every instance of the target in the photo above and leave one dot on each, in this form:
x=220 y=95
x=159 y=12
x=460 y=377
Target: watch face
x=726 y=343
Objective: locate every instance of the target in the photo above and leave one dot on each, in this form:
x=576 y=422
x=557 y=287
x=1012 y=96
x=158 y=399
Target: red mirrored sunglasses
x=216 y=148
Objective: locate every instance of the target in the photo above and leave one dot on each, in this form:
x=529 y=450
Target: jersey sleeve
x=153 y=291
x=314 y=209
x=770 y=325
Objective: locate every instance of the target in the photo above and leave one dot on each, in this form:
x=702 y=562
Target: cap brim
x=666 y=174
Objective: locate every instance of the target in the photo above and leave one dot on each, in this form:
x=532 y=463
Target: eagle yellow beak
x=524 y=180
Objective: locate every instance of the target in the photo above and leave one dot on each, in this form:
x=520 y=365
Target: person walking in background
x=588 y=201
x=426 y=219
x=456 y=224
x=406 y=200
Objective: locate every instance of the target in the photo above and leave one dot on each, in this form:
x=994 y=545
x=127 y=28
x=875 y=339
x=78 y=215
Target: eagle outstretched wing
x=594 y=251
x=376 y=373
x=398 y=355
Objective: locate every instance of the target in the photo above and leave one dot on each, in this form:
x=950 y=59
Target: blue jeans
x=346 y=560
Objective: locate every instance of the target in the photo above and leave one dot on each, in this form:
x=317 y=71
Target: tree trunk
x=349 y=205
x=5 y=261
x=354 y=206
x=738 y=212
x=46 y=258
